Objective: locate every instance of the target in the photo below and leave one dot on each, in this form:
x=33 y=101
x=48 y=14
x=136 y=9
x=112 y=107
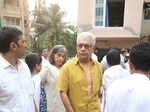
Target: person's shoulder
x=116 y=87
x=23 y=63
x=108 y=71
x=125 y=84
x=120 y=69
x=48 y=66
x=24 y=67
x=70 y=63
x=138 y=85
x=125 y=71
x=97 y=63
x=121 y=82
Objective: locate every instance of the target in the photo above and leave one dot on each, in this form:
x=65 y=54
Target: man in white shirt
x=132 y=94
x=123 y=54
x=114 y=72
x=105 y=65
x=16 y=87
x=44 y=53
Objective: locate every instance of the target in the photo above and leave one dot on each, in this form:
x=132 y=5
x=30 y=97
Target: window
x=116 y=12
x=109 y=13
x=99 y=12
x=17 y=21
x=11 y=3
x=99 y=23
x=12 y=21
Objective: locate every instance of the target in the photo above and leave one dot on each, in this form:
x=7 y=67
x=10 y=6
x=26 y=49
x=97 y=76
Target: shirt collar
x=116 y=66
x=76 y=60
x=44 y=58
x=4 y=63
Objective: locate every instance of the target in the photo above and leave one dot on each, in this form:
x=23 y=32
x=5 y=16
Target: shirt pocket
x=9 y=87
x=77 y=84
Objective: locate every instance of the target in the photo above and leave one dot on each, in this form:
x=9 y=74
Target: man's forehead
x=21 y=37
x=45 y=49
x=85 y=40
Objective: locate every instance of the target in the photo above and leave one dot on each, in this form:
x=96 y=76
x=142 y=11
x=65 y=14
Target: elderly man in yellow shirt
x=80 y=79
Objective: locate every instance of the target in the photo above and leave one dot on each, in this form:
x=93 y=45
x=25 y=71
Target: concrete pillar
x=133 y=15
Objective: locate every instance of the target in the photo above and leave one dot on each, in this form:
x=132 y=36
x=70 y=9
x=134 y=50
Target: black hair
x=8 y=35
x=56 y=49
x=123 y=50
x=113 y=57
x=140 y=56
x=43 y=49
x=33 y=59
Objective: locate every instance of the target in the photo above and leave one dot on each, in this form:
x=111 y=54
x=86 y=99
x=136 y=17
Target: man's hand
x=66 y=101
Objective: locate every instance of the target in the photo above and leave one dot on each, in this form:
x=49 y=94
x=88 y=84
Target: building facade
x=15 y=13
x=116 y=23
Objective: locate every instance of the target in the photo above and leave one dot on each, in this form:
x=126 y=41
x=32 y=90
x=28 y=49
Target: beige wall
x=133 y=15
x=85 y=14
x=85 y=11
x=145 y=27
x=15 y=12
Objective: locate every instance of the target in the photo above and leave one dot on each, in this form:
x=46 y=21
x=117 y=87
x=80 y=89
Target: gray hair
x=56 y=49
x=87 y=35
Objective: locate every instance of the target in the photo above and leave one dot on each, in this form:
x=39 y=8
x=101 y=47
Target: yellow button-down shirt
x=73 y=80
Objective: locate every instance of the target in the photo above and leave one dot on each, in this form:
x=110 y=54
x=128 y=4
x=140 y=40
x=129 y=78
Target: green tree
x=68 y=38
x=49 y=30
x=0 y=22
x=47 y=25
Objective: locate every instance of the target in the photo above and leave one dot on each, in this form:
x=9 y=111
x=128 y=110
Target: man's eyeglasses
x=86 y=46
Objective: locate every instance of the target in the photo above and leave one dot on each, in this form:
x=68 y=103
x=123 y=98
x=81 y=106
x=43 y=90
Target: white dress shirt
x=131 y=94
x=16 y=87
x=112 y=74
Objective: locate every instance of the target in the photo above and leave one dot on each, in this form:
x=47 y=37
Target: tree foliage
x=68 y=38
x=49 y=30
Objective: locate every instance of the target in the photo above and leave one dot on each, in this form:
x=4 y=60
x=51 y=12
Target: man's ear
x=36 y=66
x=93 y=48
x=12 y=46
x=131 y=67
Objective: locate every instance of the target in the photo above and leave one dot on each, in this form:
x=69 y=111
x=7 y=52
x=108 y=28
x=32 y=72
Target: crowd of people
x=48 y=82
